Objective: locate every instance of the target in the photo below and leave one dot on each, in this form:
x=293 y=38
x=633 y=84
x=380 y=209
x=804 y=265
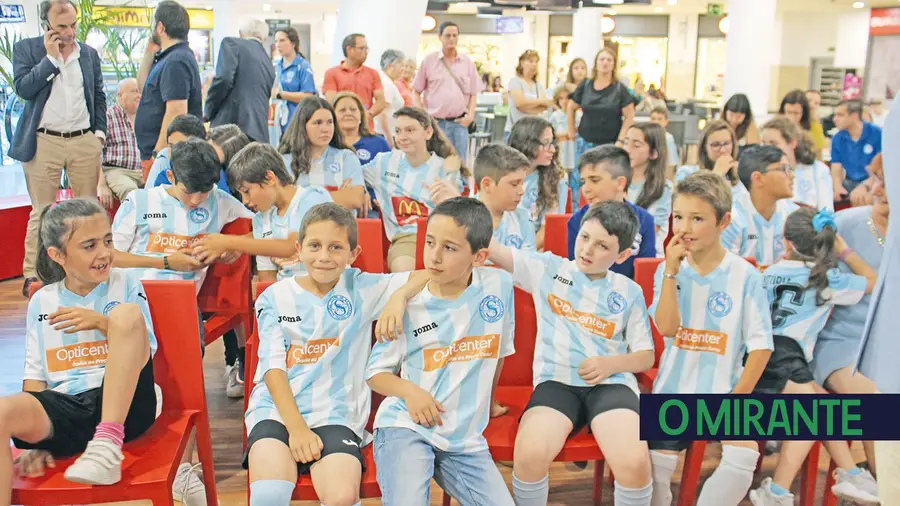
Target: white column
x=227 y=23
x=587 y=34
x=748 y=69
x=682 y=56
x=852 y=40
x=387 y=24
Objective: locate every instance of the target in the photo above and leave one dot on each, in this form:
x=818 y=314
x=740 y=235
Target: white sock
x=531 y=493
x=664 y=466
x=625 y=496
x=730 y=482
x=271 y=492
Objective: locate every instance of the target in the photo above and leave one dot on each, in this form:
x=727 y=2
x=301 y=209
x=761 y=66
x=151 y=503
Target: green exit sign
x=714 y=9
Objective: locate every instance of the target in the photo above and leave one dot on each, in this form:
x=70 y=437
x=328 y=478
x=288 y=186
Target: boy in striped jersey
x=309 y=408
x=593 y=335
x=757 y=219
x=711 y=307
x=450 y=350
x=500 y=172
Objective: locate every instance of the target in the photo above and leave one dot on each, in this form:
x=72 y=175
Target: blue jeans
x=458 y=135
x=406 y=462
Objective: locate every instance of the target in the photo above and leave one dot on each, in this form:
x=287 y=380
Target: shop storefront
x=712 y=53
x=883 y=62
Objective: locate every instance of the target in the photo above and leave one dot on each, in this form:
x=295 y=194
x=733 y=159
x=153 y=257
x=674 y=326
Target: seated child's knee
x=127 y=317
x=634 y=470
x=271 y=493
x=340 y=495
x=532 y=461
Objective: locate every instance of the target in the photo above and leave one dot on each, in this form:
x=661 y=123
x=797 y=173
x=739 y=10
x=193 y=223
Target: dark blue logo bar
x=776 y=417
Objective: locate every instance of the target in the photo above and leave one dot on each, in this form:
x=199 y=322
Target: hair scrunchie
x=824 y=218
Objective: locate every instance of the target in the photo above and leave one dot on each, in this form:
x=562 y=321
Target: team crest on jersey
x=616 y=303
x=491 y=308
x=109 y=307
x=339 y=307
x=868 y=149
x=513 y=241
x=289 y=75
x=779 y=246
x=199 y=215
x=719 y=304
x=335 y=167
x=363 y=155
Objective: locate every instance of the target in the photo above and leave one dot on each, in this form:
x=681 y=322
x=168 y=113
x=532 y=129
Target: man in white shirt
x=391 y=68
x=63 y=125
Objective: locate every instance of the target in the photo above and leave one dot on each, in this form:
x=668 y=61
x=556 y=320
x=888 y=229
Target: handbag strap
x=455 y=79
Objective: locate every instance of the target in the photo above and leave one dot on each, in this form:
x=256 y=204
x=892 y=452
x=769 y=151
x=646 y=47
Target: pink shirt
x=442 y=96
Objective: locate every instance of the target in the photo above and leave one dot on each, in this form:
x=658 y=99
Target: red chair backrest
x=644 y=271
x=227 y=286
x=421 y=228
x=569 y=202
x=556 y=234
x=177 y=365
x=369 y=234
x=518 y=367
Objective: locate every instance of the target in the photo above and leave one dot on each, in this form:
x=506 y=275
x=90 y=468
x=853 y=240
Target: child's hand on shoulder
x=593 y=370
x=442 y=190
x=675 y=253
x=452 y=164
x=390 y=324
x=424 y=409
x=305 y=445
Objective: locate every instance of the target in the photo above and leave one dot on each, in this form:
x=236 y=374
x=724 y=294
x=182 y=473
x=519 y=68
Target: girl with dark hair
x=812 y=178
x=578 y=72
x=295 y=77
x=69 y=405
x=526 y=95
x=718 y=153
x=546 y=188
x=226 y=140
x=795 y=106
x=739 y=115
x=422 y=171
x=802 y=291
x=317 y=155
x=649 y=188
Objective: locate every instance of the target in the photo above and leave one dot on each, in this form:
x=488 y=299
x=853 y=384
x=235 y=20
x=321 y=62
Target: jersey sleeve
x=160 y=166
x=845 y=289
x=306 y=80
x=34 y=358
x=529 y=267
x=273 y=343
x=824 y=186
x=637 y=326
x=353 y=169
x=508 y=338
x=137 y=296
x=733 y=237
x=376 y=289
x=123 y=226
x=175 y=82
x=372 y=169
x=230 y=209
x=657 y=288
x=386 y=356
x=529 y=238
x=756 y=321
x=663 y=207
x=837 y=153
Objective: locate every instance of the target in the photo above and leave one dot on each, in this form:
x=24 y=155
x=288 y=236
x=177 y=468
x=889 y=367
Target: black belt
x=64 y=135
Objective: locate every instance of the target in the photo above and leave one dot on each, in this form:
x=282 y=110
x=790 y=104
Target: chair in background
x=224 y=298
x=369 y=236
x=556 y=234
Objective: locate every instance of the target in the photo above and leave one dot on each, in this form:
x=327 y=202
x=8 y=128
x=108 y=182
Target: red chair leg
x=690 y=475
x=808 y=475
x=162 y=498
x=599 y=466
x=762 y=455
x=204 y=452
x=446 y=500
x=829 y=499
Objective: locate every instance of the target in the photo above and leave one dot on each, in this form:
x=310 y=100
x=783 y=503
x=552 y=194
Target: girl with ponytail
x=85 y=308
x=802 y=290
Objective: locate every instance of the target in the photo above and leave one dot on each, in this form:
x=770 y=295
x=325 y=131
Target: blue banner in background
x=771 y=417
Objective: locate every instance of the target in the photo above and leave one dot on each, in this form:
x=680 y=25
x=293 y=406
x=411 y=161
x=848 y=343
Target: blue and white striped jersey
x=737 y=191
x=269 y=225
x=400 y=188
x=153 y=223
x=330 y=170
x=322 y=344
x=752 y=236
x=75 y=363
x=661 y=210
x=724 y=315
x=813 y=186
x=450 y=349
x=793 y=305
x=578 y=318
x=516 y=230
x=530 y=198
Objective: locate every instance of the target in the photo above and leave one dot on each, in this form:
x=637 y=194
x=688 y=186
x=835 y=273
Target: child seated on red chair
x=308 y=410
x=605 y=176
x=711 y=307
x=88 y=383
x=454 y=336
x=593 y=334
x=500 y=172
x=265 y=185
x=802 y=290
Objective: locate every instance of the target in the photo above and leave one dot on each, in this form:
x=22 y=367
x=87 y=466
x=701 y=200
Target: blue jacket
x=33 y=75
x=240 y=91
x=644 y=242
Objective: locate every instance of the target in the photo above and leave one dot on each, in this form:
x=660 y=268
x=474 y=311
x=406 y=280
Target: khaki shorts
x=403 y=245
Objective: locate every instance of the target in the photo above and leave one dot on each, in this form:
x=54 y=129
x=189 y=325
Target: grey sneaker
x=100 y=464
x=763 y=496
x=859 y=488
x=188 y=488
x=234 y=389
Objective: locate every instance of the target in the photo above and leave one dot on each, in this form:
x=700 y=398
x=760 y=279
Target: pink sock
x=111 y=431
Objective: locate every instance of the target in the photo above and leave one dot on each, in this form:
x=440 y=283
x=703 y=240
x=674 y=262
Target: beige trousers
x=80 y=156
x=122 y=181
x=887 y=460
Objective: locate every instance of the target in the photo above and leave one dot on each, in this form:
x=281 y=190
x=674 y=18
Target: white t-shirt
x=531 y=91
x=269 y=225
x=813 y=186
x=393 y=101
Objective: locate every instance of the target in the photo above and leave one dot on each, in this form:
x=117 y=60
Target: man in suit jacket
x=57 y=129
x=240 y=91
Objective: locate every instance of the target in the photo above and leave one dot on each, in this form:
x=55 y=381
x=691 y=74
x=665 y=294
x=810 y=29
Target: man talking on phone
x=59 y=128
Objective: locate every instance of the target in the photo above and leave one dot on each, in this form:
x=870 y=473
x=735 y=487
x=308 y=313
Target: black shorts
x=786 y=363
x=74 y=418
x=582 y=404
x=335 y=439
x=674 y=446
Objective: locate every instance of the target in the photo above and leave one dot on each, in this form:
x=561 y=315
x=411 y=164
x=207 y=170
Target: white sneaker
x=234 y=389
x=763 y=496
x=100 y=464
x=188 y=488
x=859 y=488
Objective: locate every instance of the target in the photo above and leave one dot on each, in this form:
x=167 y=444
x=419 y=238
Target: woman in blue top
x=349 y=109
x=295 y=78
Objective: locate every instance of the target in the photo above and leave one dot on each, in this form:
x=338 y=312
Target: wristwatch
x=667 y=275
x=278 y=95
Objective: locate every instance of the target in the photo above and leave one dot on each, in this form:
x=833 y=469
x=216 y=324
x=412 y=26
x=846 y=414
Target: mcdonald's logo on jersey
x=408 y=210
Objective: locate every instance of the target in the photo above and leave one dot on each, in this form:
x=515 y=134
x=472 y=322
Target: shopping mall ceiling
x=646 y=6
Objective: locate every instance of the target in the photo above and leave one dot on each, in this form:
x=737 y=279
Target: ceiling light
x=267 y=7
x=859 y=5
x=673 y=2
x=477 y=4
x=428 y=23
x=611 y=12
x=209 y=7
x=607 y=25
x=658 y=9
x=724 y=24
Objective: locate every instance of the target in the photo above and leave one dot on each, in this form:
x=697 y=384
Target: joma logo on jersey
x=149 y=216
x=289 y=319
x=421 y=330
x=266 y=234
x=562 y=280
x=392 y=174
x=43 y=317
x=408 y=210
x=701 y=340
x=170 y=243
x=588 y=321
x=309 y=352
x=78 y=355
x=463 y=350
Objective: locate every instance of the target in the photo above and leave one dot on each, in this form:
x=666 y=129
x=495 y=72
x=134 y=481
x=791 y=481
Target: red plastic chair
x=225 y=295
x=152 y=460
x=421 y=229
x=569 y=202
x=556 y=234
x=369 y=234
